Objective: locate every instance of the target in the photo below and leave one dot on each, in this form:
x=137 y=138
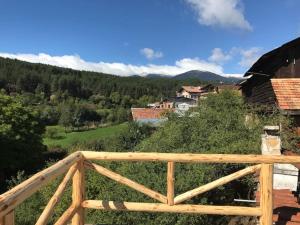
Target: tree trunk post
x=170 y=183
x=266 y=194
x=9 y=219
x=78 y=194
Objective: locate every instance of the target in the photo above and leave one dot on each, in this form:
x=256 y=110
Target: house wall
x=291 y=69
x=184 y=93
x=167 y=105
x=260 y=94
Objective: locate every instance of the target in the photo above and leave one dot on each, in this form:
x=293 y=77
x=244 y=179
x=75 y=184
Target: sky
x=138 y=37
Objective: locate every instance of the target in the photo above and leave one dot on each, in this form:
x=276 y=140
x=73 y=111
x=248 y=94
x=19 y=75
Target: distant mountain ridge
x=205 y=76
x=197 y=74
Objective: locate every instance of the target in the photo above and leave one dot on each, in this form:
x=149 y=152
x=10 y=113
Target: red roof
x=286 y=209
x=287 y=93
x=192 y=89
x=147 y=113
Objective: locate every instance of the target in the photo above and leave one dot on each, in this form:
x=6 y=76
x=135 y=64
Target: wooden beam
x=219 y=182
x=12 y=198
x=78 y=194
x=67 y=215
x=185 y=157
x=170 y=183
x=266 y=194
x=124 y=180
x=9 y=219
x=44 y=217
x=159 y=207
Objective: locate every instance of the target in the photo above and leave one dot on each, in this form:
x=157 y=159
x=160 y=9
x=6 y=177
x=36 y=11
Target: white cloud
x=151 y=54
x=235 y=75
x=249 y=56
x=218 y=56
x=221 y=13
x=75 y=62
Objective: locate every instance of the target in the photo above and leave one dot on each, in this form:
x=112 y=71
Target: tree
x=217 y=126
x=20 y=136
x=50 y=115
x=67 y=116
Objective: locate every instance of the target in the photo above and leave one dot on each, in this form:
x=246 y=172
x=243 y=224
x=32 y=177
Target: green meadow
x=65 y=140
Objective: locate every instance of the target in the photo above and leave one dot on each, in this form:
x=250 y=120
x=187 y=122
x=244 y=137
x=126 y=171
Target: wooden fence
x=75 y=164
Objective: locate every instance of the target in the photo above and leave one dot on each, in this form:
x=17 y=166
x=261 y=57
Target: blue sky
x=146 y=36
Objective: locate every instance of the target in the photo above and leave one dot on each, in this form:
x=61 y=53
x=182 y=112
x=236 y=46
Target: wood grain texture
x=186 y=157
x=159 y=207
x=44 y=217
x=18 y=194
x=170 y=183
x=67 y=215
x=78 y=194
x=9 y=219
x=266 y=194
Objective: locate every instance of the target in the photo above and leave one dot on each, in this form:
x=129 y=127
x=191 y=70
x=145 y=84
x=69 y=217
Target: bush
x=20 y=137
x=52 y=133
x=219 y=126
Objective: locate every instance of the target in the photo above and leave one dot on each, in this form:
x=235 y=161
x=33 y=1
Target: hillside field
x=67 y=139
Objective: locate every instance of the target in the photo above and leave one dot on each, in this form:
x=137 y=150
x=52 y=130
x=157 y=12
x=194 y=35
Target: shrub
x=52 y=133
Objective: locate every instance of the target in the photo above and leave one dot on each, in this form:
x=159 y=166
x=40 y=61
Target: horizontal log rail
x=159 y=207
x=76 y=163
x=189 y=158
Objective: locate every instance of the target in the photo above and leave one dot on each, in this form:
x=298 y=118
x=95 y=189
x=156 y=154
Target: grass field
x=67 y=139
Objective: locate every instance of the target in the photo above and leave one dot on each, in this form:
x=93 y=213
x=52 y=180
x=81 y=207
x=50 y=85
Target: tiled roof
x=192 y=89
x=287 y=93
x=147 y=113
x=286 y=209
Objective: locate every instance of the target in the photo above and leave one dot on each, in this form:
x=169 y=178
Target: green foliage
x=18 y=76
x=29 y=211
x=66 y=140
x=49 y=115
x=52 y=133
x=20 y=137
x=220 y=124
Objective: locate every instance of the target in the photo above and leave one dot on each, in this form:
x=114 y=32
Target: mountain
x=153 y=75
x=205 y=76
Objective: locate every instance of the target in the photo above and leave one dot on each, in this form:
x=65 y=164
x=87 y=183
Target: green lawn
x=67 y=139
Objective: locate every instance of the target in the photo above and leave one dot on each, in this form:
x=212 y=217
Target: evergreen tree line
x=75 y=98
x=19 y=76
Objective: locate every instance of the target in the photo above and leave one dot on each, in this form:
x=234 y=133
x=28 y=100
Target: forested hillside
x=19 y=76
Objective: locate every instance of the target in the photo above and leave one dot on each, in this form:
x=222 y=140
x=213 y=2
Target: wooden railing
x=75 y=164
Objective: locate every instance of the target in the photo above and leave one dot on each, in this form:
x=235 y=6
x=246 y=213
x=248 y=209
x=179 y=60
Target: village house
x=274 y=81
x=195 y=92
x=191 y=92
x=187 y=98
x=156 y=112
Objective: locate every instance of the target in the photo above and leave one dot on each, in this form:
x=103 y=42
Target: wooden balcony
x=75 y=165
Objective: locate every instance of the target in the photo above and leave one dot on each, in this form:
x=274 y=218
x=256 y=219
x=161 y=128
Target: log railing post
x=266 y=194
x=78 y=194
x=170 y=183
x=9 y=219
